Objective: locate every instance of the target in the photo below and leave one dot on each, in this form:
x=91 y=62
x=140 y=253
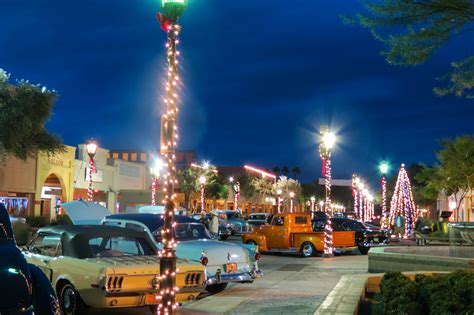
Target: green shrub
x=448 y=294
x=37 y=221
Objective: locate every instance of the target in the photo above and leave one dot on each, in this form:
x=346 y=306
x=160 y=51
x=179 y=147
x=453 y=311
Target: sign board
x=337 y=182
x=97 y=177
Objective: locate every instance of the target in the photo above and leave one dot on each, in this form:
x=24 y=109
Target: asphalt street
x=290 y=285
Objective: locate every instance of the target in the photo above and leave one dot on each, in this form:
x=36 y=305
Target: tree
x=188 y=179
x=285 y=170
x=24 y=110
x=216 y=187
x=454 y=173
x=263 y=186
x=276 y=170
x=412 y=30
x=288 y=185
x=296 y=171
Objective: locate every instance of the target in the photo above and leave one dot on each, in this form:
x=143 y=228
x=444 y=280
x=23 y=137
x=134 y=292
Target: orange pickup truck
x=293 y=232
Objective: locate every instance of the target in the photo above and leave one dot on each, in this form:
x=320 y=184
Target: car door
x=43 y=248
x=276 y=235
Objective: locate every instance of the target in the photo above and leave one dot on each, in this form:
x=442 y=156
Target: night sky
x=260 y=77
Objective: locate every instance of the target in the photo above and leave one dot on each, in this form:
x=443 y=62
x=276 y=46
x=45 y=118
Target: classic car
x=24 y=289
x=225 y=229
x=257 y=219
x=293 y=232
x=225 y=262
x=105 y=267
x=236 y=221
x=367 y=235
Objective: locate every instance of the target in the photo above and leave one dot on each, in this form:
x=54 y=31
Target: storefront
x=54 y=182
x=18 y=185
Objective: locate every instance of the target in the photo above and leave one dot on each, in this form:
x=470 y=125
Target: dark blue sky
x=260 y=77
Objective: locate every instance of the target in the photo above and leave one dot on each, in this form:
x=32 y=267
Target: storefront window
x=16 y=206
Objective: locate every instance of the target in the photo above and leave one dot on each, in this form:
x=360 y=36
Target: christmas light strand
x=90 y=191
x=402 y=203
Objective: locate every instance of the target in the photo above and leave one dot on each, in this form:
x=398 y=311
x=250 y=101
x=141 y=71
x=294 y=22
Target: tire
x=216 y=288
x=307 y=249
x=70 y=301
x=364 y=250
x=224 y=237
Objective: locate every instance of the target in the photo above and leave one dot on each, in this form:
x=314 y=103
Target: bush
x=449 y=294
x=36 y=221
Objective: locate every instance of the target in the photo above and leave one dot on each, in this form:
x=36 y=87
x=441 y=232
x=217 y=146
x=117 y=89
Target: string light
x=402 y=203
x=328 y=140
x=169 y=23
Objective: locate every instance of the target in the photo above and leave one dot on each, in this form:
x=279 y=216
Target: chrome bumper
x=234 y=277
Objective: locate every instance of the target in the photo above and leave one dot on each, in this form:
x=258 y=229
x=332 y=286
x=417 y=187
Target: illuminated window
x=115 y=156
x=143 y=157
x=125 y=156
x=133 y=157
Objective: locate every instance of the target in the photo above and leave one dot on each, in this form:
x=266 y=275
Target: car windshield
x=257 y=217
x=233 y=215
x=187 y=232
x=119 y=246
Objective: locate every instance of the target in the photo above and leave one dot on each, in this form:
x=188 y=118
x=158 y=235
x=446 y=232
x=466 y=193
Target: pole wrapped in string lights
x=202 y=183
x=292 y=202
x=168 y=20
x=91 y=148
x=402 y=204
x=384 y=169
x=355 y=194
x=328 y=140
x=313 y=203
x=279 y=192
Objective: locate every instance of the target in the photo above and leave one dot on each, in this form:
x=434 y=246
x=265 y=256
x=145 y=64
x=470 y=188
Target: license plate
x=151 y=299
x=376 y=239
x=230 y=267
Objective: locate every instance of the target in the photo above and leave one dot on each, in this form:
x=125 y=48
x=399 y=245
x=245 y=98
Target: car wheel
x=364 y=250
x=70 y=301
x=224 y=237
x=216 y=288
x=307 y=249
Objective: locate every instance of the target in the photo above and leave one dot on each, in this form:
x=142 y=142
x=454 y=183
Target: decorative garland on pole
x=325 y=147
x=90 y=191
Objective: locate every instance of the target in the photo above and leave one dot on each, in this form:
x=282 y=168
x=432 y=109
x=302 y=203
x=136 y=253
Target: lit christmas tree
x=402 y=204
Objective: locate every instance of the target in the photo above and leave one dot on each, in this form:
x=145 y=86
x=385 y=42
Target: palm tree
x=188 y=183
x=285 y=170
x=296 y=171
x=276 y=170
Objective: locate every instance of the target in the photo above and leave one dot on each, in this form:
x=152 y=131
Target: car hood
x=15 y=282
x=218 y=253
x=85 y=212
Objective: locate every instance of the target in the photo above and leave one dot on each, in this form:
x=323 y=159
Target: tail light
x=204 y=260
x=257 y=256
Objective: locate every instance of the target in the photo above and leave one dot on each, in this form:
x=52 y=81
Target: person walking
x=214 y=226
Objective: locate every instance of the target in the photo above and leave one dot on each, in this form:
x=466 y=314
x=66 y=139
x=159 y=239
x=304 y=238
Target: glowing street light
x=236 y=188
x=91 y=148
x=328 y=139
x=279 y=192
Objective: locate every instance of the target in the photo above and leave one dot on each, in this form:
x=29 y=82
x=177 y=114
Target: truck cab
x=293 y=232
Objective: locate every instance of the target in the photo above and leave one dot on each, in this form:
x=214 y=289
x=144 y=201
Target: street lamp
x=328 y=139
x=155 y=170
x=202 y=182
x=168 y=20
x=279 y=192
x=292 y=195
x=91 y=147
x=384 y=169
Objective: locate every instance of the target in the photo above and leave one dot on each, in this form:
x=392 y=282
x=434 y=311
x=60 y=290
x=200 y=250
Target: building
x=183 y=158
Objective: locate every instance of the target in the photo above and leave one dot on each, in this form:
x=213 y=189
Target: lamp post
x=328 y=139
x=384 y=169
x=279 y=192
x=313 y=202
x=355 y=194
x=155 y=170
x=292 y=196
x=173 y=9
x=91 y=147
x=202 y=182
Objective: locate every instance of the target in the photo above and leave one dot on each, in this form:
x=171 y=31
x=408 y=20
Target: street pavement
x=290 y=285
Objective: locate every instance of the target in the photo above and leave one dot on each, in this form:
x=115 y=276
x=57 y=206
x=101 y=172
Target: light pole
x=279 y=192
x=292 y=196
x=173 y=9
x=155 y=170
x=328 y=139
x=91 y=147
x=313 y=202
x=355 y=193
x=384 y=169
x=202 y=182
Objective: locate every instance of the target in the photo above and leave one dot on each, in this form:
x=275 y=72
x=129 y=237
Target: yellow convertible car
x=106 y=267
